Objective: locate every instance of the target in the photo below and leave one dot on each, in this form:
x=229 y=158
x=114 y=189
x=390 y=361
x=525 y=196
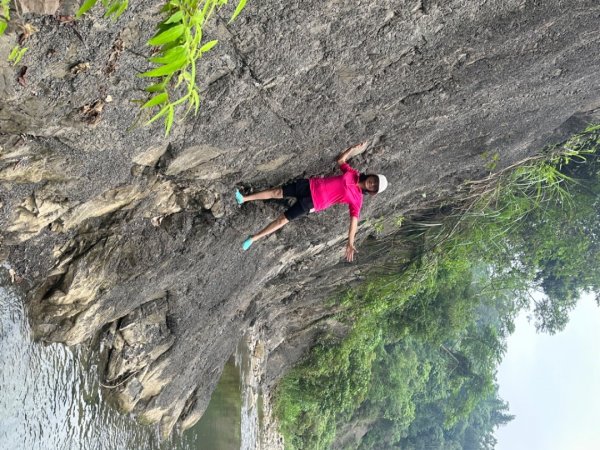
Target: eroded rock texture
x=122 y=233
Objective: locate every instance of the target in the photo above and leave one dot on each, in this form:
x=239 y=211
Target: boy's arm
x=350 y=249
x=350 y=152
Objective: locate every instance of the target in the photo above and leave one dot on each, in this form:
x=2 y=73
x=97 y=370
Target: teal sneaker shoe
x=247 y=243
x=239 y=198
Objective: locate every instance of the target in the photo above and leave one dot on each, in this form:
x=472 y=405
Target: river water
x=50 y=399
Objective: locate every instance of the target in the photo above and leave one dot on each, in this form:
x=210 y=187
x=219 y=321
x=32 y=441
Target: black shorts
x=304 y=202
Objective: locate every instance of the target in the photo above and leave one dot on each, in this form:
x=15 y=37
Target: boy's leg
x=271 y=228
x=264 y=195
x=298 y=209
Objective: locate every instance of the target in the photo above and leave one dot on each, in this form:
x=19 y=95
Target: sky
x=552 y=384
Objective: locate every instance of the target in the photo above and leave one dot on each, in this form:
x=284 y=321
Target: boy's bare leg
x=271 y=228
x=264 y=195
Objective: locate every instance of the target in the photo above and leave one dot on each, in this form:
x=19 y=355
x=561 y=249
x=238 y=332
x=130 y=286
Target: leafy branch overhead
x=180 y=42
x=113 y=8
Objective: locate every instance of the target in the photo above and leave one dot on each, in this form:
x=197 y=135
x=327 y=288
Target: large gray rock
x=100 y=218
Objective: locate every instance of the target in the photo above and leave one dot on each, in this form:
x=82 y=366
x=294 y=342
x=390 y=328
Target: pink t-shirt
x=341 y=189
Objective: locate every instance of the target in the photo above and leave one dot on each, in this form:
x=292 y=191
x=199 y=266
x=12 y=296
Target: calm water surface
x=50 y=399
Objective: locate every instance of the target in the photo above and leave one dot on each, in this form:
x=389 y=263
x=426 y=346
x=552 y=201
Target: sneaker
x=239 y=198
x=247 y=243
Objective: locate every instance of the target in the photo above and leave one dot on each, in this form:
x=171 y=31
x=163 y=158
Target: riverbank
x=77 y=415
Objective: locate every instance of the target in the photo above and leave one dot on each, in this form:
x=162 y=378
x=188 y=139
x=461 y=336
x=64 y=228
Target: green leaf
x=122 y=8
x=170 y=55
x=177 y=17
x=112 y=9
x=169 y=46
x=20 y=55
x=156 y=100
x=162 y=112
x=87 y=5
x=13 y=53
x=16 y=54
x=184 y=76
x=238 y=10
x=157 y=87
x=592 y=128
x=168 y=7
x=3 y=26
x=179 y=80
x=168 y=35
x=166 y=69
x=169 y=120
x=197 y=38
x=197 y=18
x=206 y=7
x=187 y=77
x=206 y=47
x=195 y=100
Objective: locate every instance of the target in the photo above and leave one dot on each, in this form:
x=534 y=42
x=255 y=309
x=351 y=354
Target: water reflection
x=50 y=399
x=219 y=428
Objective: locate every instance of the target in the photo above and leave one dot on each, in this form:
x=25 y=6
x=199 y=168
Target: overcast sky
x=552 y=384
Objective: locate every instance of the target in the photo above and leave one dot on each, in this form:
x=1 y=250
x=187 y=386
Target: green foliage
x=411 y=334
x=472 y=432
x=417 y=369
x=534 y=227
x=16 y=54
x=180 y=44
x=4 y=15
x=491 y=161
x=316 y=396
x=378 y=224
x=399 y=220
x=112 y=8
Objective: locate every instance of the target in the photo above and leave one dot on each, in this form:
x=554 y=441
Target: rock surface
x=37 y=6
x=119 y=232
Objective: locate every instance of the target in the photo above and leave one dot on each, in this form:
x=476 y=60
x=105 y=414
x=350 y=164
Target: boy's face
x=372 y=184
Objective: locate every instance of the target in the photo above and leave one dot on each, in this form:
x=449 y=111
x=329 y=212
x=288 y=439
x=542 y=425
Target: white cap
x=383 y=183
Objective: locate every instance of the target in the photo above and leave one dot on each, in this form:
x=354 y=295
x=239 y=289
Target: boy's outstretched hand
x=358 y=149
x=352 y=151
x=350 y=250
